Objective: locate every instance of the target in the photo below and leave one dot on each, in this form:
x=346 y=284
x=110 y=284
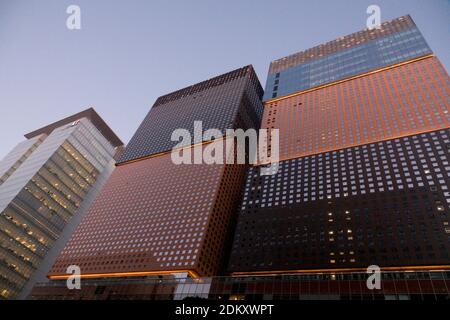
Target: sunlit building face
x=45 y=184
x=364 y=148
x=155 y=217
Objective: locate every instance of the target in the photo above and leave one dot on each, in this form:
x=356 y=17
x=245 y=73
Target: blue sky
x=130 y=52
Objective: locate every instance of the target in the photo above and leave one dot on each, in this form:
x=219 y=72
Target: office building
x=364 y=172
x=46 y=184
x=363 y=180
x=155 y=217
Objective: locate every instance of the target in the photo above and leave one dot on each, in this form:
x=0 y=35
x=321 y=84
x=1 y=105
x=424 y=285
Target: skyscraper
x=362 y=180
x=155 y=217
x=46 y=184
x=364 y=149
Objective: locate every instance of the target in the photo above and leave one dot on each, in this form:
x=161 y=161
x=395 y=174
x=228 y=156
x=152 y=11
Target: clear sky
x=130 y=52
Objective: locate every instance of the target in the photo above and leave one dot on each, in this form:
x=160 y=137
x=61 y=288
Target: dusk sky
x=130 y=52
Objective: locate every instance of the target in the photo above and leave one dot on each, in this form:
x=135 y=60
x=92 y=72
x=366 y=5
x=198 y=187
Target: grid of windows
x=385 y=203
x=155 y=215
x=17 y=156
x=397 y=40
x=388 y=27
x=404 y=100
x=59 y=172
x=404 y=163
x=219 y=103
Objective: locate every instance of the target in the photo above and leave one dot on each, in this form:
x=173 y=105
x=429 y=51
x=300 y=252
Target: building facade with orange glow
x=364 y=148
x=47 y=183
x=155 y=217
x=363 y=180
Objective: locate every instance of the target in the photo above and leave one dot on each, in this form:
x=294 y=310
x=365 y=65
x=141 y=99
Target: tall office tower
x=46 y=184
x=155 y=217
x=364 y=172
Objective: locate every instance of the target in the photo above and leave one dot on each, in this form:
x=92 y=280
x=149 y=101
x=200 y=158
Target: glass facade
x=413 y=285
x=350 y=60
x=42 y=194
x=17 y=156
x=375 y=107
